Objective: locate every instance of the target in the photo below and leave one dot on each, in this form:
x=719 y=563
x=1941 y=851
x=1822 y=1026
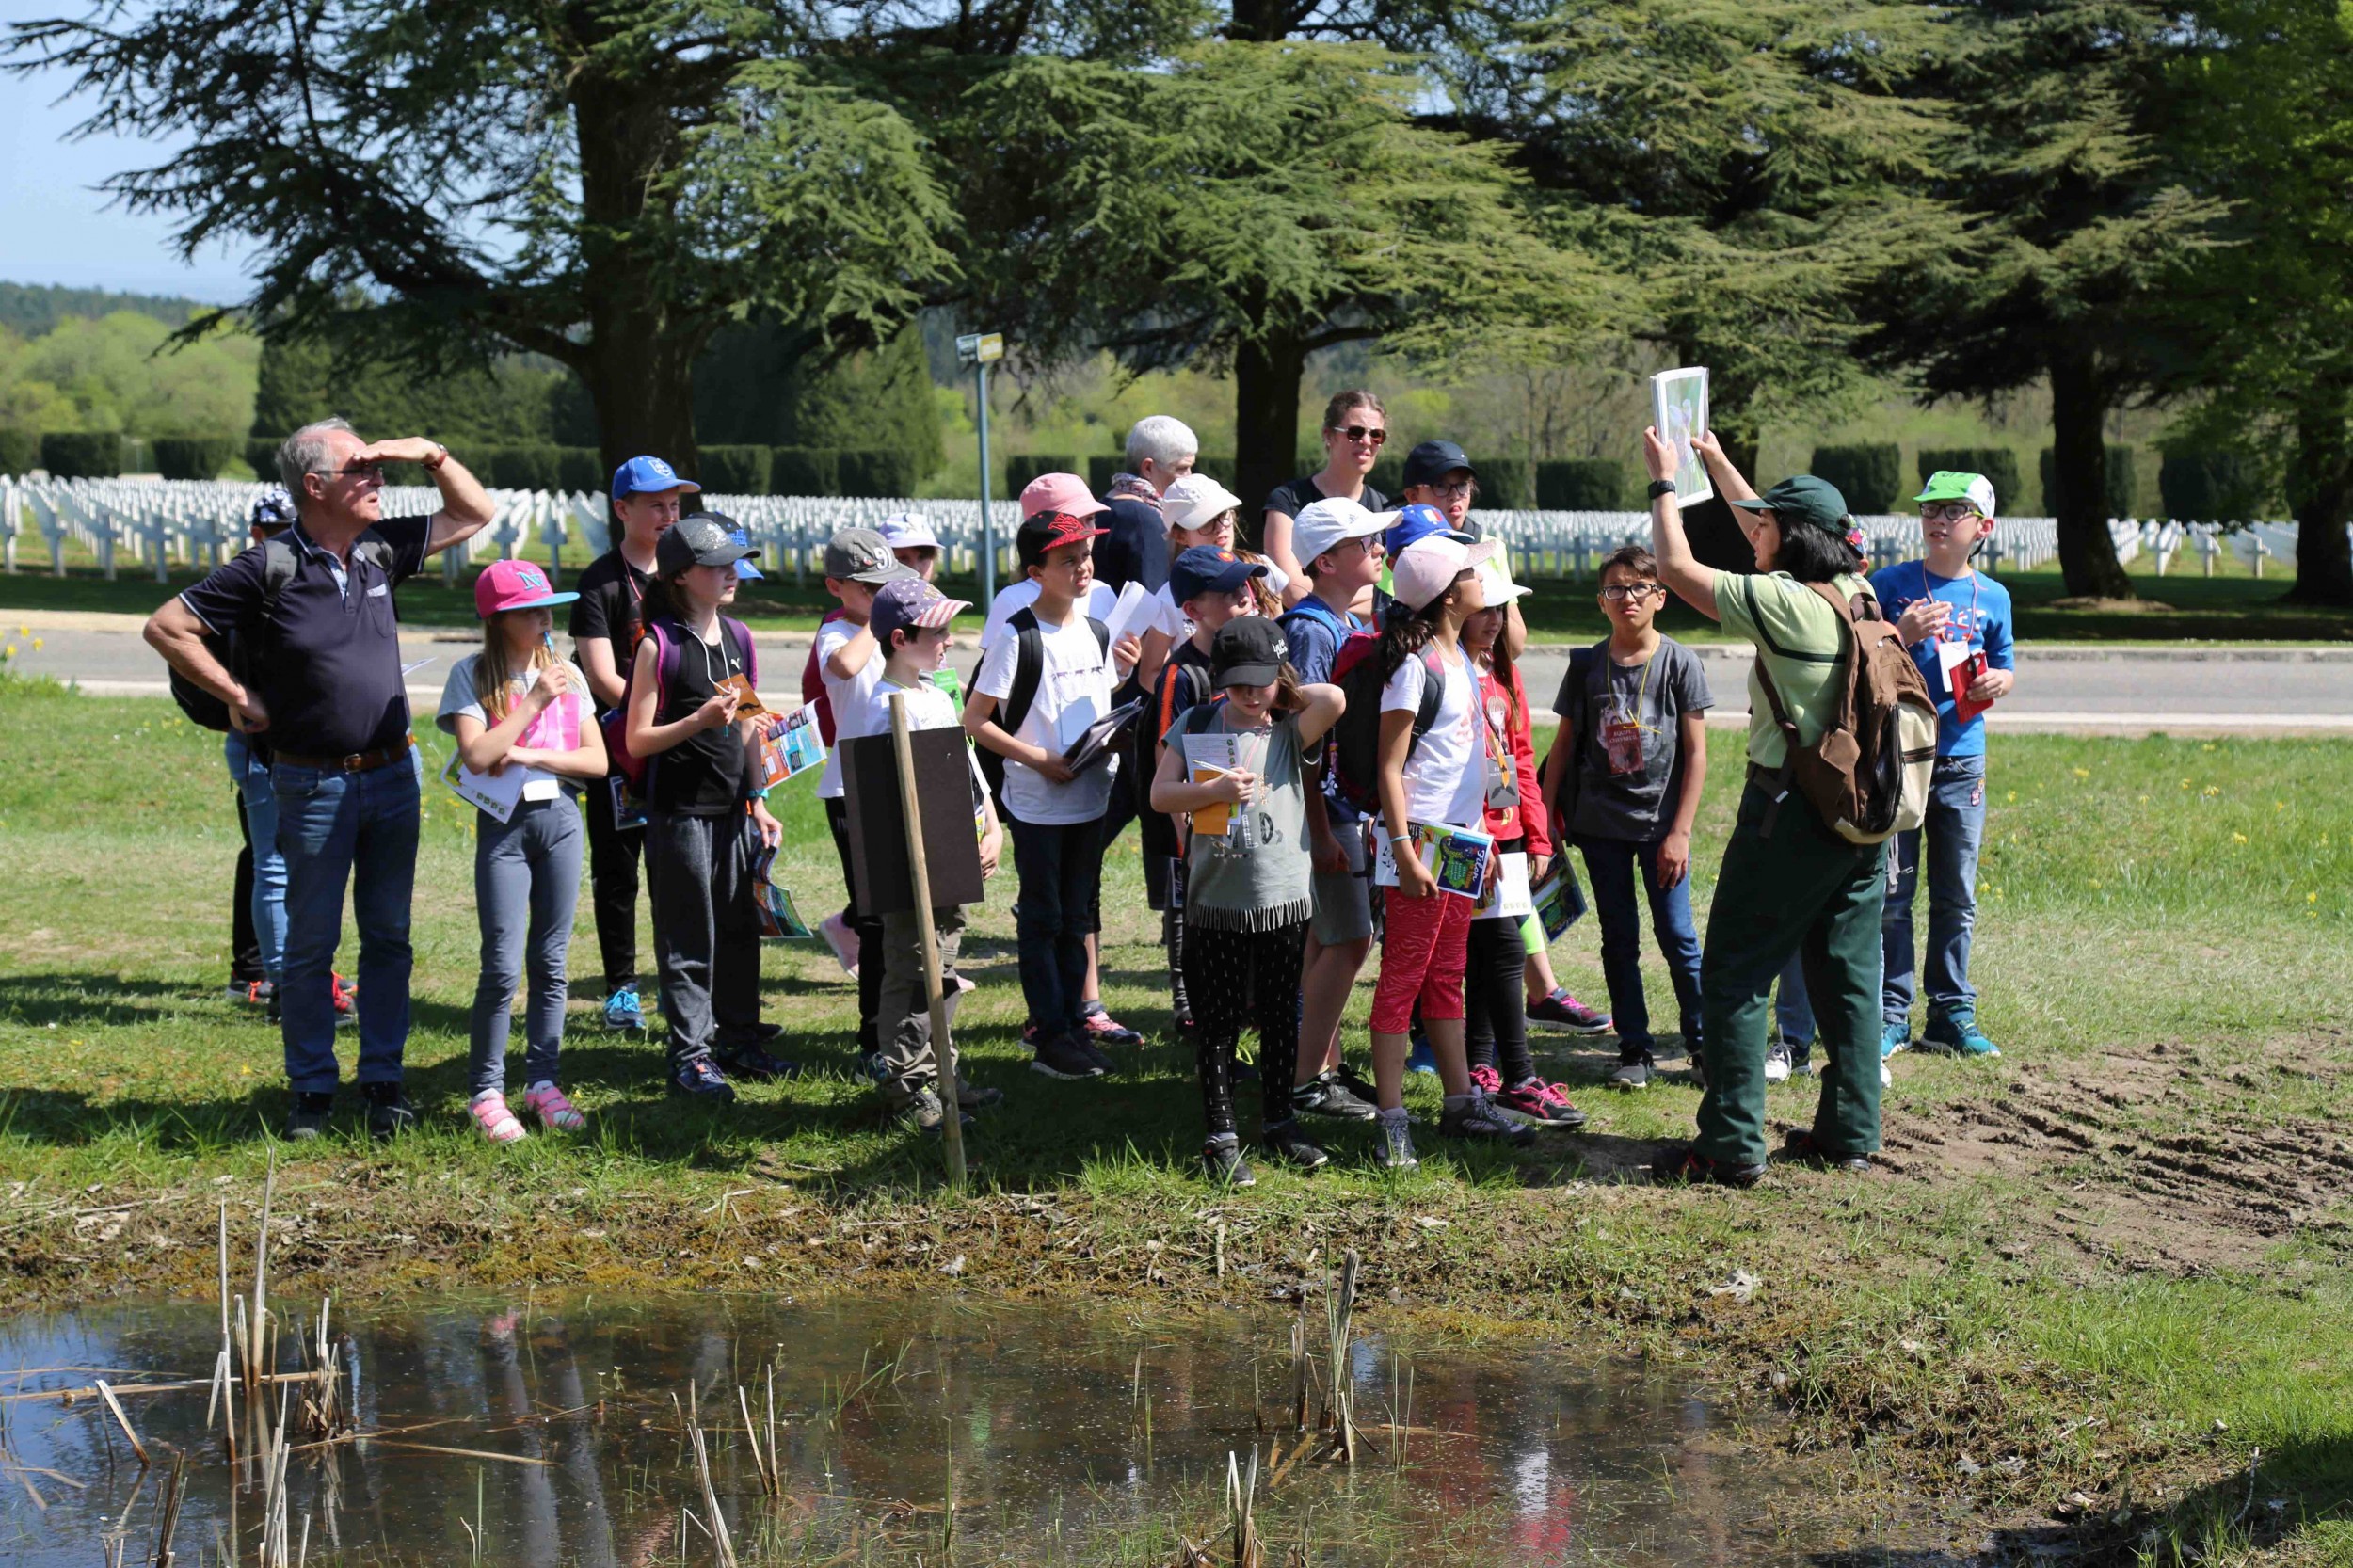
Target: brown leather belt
x=357 y=761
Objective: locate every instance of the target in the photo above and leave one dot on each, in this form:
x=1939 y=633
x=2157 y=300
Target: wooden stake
x=943 y=1048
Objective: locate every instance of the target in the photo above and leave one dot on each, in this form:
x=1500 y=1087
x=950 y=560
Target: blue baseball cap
x=647 y=473
x=1205 y=569
x=1415 y=523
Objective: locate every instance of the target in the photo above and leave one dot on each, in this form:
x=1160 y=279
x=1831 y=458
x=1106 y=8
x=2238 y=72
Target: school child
x=1212 y=586
x=707 y=816
x=910 y=620
x=1626 y=772
x=1247 y=889
x=1495 y=1017
x=516 y=707
x=1056 y=815
x=859 y=561
x=1341 y=552
x=1199 y=512
x=1957 y=622
x=912 y=543
x=1432 y=775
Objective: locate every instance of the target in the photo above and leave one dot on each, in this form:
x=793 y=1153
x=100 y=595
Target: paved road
x=2061 y=687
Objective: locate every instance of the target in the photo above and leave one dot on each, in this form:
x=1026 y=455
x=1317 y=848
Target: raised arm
x=465 y=504
x=1681 y=570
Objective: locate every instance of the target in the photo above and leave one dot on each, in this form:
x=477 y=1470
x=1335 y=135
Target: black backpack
x=279 y=564
x=1028 y=668
x=1188 y=686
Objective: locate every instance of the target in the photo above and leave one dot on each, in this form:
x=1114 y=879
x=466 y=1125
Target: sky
x=55 y=228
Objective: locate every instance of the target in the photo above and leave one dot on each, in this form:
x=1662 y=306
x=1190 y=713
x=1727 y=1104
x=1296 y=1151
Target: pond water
x=552 y=1431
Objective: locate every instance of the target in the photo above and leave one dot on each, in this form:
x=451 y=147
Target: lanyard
x=1969 y=630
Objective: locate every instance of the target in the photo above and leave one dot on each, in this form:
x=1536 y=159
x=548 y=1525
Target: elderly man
x=1161 y=450
x=319 y=674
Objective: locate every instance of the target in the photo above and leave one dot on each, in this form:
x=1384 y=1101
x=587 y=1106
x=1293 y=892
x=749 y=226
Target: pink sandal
x=497 y=1123
x=555 y=1112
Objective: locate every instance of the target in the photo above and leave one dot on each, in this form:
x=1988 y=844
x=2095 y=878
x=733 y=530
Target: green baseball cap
x=1947 y=483
x=1808 y=500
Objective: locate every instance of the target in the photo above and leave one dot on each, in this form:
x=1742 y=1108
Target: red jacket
x=1507 y=720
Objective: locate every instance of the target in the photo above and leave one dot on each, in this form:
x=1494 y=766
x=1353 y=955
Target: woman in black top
x=1354 y=427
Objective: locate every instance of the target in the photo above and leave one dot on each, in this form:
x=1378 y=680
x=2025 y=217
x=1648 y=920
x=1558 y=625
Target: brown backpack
x=1869 y=775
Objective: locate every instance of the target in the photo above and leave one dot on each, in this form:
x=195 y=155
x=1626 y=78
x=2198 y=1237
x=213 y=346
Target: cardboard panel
x=879 y=876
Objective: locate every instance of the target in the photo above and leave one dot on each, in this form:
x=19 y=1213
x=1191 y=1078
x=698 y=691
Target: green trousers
x=1801 y=889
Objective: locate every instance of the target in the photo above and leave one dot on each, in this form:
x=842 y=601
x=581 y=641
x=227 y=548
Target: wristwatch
x=441 y=455
x=1661 y=487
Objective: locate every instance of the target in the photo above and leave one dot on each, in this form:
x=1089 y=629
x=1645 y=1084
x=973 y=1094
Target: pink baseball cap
x=1065 y=493
x=514 y=586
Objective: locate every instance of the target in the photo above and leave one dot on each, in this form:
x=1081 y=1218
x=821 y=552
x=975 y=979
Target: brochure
x=792 y=746
x=493 y=793
x=1096 y=741
x=779 y=919
x=1557 y=898
x=1127 y=612
x=1213 y=754
x=1678 y=401
x=1456 y=857
x=1508 y=896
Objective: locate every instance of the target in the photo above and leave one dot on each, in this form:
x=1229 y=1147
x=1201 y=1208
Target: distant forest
x=32 y=309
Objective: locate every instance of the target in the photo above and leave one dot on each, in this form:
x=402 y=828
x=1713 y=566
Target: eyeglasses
x=1373 y=433
x=1947 y=511
x=1457 y=487
x=1618 y=592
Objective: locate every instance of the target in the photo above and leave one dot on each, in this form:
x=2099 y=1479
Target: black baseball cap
x=1205 y=569
x=1248 y=651
x=1434 y=460
x=701 y=539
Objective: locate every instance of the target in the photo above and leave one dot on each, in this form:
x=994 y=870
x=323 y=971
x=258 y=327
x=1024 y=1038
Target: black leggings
x=1245 y=978
x=866 y=928
x=1495 y=1001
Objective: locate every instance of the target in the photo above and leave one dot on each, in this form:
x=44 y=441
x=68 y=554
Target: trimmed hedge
x=82 y=454
x=1218 y=466
x=581 y=468
x=1022 y=466
x=884 y=471
x=19 y=450
x=1507 y=484
x=734 y=469
x=261 y=455
x=2121 y=476
x=804 y=471
x=2210 y=487
x=1581 y=485
x=192 y=457
x=1868 y=476
x=1998 y=463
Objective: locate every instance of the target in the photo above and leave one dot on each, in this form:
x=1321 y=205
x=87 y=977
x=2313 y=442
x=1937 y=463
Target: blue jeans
x=1612 y=865
x=269 y=867
x=1955 y=827
x=526 y=881
x=1061 y=870
x=335 y=828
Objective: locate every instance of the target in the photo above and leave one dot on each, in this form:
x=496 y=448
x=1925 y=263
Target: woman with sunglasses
x=1354 y=429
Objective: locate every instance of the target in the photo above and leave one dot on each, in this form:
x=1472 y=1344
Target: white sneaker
x=839 y=936
x=1887 y=1079
x=1777 y=1063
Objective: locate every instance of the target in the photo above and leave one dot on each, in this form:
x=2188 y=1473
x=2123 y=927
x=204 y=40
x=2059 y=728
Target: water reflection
x=551 y=1434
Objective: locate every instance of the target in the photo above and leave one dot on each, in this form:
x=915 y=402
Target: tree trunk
x=2324 y=558
x=2080 y=478
x=1267 y=373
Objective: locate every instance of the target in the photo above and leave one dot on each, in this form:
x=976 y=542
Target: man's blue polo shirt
x=325 y=661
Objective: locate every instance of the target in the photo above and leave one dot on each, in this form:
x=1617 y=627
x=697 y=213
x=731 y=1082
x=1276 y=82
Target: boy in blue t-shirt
x=1948 y=614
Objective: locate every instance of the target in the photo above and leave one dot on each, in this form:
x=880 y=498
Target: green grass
x=2193 y=895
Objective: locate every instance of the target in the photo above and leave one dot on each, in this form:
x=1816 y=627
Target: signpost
x=980 y=350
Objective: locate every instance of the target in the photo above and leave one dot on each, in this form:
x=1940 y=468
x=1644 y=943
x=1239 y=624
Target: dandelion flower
x=2013 y=794
x=2238 y=837
x=2312 y=898
x=2144 y=800
x=2185 y=783
x=2083 y=772
x=36 y=645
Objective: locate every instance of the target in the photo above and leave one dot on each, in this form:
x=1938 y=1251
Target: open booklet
x=1094 y=743
x=1212 y=755
x=1456 y=857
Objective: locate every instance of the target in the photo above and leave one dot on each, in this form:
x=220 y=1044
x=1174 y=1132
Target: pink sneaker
x=497 y=1123
x=1546 y=1104
x=1488 y=1081
x=555 y=1112
x=1559 y=1010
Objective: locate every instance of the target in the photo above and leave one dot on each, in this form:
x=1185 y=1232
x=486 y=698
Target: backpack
x=1356 y=734
x=814 y=691
x=1188 y=692
x=1869 y=775
x=279 y=564
x=1577 y=722
x=621 y=763
x=1028 y=668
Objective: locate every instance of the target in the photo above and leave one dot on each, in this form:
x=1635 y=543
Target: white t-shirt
x=928 y=708
x=1446 y=778
x=850 y=699
x=1162 y=614
x=557 y=729
x=1019 y=595
x=1074 y=689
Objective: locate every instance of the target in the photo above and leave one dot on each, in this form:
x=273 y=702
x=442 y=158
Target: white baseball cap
x=1425 y=569
x=907 y=531
x=1320 y=525
x=1495 y=578
x=1195 y=501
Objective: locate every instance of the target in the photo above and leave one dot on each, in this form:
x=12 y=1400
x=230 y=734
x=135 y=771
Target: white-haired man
x=1161 y=450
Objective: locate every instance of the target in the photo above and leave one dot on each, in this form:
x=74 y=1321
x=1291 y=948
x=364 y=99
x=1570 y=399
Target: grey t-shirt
x=1257 y=877
x=1629 y=770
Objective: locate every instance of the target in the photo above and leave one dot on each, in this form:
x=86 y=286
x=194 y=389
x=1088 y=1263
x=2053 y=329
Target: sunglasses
x=1360 y=432
x=355 y=471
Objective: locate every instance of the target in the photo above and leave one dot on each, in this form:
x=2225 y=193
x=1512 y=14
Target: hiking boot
x=1396 y=1149
x=390 y=1114
x=1633 y=1070
x=1689 y=1166
x=309 y=1117
x=1559 y=1010
x=1066 y=1056
x=923 y=1112
x=701 y=1078
x=623 y=1012
x=1104 y=1029
x=1544 y=1104
x=1486 y=1079
x=1956 y=1032
x=1324 y=1095
x=1283 y=1140
x=1474 y=1118
x=1777 y=1061
x=754 y=1063
x=1801 y=1146
x=1221 y=1158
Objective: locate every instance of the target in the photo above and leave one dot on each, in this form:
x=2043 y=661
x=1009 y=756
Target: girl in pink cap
x=520 y=714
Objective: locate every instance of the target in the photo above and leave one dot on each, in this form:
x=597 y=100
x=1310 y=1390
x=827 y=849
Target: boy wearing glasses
x=1624 y=777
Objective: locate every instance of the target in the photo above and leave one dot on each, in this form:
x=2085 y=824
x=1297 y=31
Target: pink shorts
x=1421 y=957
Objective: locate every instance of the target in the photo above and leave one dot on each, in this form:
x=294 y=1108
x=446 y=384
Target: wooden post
x=943 y=1048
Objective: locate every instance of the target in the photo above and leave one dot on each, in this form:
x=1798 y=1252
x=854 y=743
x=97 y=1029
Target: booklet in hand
x=1096 y=741
x=1457 y=857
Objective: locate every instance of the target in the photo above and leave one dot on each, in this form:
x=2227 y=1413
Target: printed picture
x=1456 y=857
x=794 y=746
x=1678 y=400
x=779 y=918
